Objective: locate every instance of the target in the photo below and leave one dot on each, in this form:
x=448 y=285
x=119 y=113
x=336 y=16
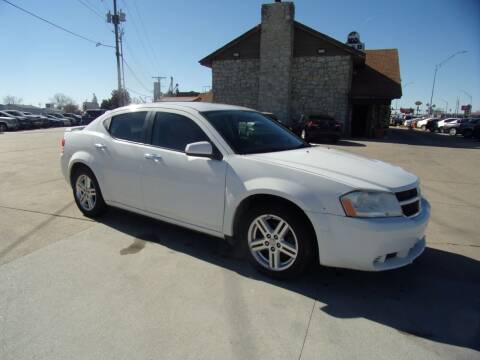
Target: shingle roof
x=385 y=61
x=380 y=77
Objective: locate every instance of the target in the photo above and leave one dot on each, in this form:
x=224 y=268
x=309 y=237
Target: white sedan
x=233 y=173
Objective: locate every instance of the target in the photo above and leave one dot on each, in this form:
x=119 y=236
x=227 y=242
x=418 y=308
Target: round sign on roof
x=353 y=38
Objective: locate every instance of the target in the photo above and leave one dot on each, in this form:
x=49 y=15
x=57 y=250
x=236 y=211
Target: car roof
x=198 y=106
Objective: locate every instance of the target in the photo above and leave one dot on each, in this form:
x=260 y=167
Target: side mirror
x=200 y=149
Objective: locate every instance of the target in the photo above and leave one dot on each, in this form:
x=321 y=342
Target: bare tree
x=11 y=100
x=71 y=108
x=61 y=100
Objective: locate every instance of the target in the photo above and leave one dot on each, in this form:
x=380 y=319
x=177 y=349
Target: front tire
x=87 y=193
x=453 y=131
x=279 y=240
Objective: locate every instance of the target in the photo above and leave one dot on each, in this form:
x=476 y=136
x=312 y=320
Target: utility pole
x=124 y=95
x=116 y=18
x=157 y=90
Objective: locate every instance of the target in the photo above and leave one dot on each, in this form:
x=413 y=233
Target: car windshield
x=249 y=132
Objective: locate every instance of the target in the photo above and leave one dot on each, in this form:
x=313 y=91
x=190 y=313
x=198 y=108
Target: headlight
x=370 y=204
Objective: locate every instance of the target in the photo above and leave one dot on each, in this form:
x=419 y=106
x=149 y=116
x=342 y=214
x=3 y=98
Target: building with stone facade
x=284 y=67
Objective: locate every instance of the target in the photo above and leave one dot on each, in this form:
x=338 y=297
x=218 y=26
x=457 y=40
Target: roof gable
x=306 y=42
x=246 y=45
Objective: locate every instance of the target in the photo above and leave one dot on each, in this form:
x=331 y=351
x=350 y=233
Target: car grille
x=409 y=201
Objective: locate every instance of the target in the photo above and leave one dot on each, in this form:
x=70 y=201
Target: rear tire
x=423 y=127
x=3 y=128
x=87 y=193
x=279 y=240
x=453 y=131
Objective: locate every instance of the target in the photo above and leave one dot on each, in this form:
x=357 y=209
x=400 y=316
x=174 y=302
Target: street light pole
x=438 y=66
x=469 y=95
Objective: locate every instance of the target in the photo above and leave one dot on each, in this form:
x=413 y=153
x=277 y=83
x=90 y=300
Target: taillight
x=62 y=145
x=310 y=123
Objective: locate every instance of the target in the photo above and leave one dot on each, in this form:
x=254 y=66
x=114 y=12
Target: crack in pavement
x=454 y=244
x=308 y=327
x=47 y=213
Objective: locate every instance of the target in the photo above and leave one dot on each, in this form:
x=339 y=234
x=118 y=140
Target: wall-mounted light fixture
x=236 y=54
x=321 y=51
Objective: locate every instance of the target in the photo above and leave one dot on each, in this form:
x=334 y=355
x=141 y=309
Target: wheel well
x=251 y=201
x=75 y=167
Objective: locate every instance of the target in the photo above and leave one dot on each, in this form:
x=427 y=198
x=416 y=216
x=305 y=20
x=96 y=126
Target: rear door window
x=174 y=131
x=129 y=126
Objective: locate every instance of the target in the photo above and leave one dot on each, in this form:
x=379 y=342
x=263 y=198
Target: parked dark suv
x=91 y=115
x=466 y=128
x=319 y=127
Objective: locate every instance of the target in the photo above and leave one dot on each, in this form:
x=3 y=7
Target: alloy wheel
x=85 y=192
x=272 y=242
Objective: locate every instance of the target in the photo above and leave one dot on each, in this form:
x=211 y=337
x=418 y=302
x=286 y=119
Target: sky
x=168 y=38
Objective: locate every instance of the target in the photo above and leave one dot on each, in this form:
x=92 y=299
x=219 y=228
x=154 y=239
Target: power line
x=97 y=43
x=92 y=9
x=137 y=92
x=137 y=63
x=147 y=37
x=135 y=75
x=141 y=39
x=104 y=5
x=97 y=13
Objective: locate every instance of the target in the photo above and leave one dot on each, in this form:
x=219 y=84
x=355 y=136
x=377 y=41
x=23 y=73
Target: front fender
x=236 y=192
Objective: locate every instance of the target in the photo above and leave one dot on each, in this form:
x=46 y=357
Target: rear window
x=130 y=126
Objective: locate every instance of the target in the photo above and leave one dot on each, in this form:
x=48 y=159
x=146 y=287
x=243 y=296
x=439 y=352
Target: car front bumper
x=370 y=244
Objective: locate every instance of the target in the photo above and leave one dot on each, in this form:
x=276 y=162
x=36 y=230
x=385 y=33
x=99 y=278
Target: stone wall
x=235 y=82
x=276 y=51
x=321 y=84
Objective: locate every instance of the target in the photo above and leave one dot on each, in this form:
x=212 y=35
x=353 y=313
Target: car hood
x=347 y=168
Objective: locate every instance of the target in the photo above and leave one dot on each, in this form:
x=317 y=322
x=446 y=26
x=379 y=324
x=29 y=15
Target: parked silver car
x=8 y=123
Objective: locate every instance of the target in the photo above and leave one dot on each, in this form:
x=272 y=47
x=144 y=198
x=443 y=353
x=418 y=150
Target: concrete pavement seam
x=454 y=244
x=46 y=213
x=308 y=327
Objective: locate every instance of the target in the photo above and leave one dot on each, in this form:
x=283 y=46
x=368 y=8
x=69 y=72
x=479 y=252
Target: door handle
x=153 y=157
x=100 y=146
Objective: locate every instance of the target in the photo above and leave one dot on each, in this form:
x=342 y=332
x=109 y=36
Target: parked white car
x=441 y=123
x=233 y=173
x=422 y=124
